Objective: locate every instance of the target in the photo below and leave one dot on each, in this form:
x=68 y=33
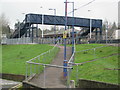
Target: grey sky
x=100 y=9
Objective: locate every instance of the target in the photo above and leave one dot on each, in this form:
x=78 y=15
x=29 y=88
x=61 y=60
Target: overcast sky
x=100 y=9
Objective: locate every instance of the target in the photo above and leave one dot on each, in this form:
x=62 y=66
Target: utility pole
x=42 y=21
x=73 y=30
x=65 y=61
x=54 y=25
x=90 y=25
x=106 y=31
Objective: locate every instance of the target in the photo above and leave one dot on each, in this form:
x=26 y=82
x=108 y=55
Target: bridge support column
x=96 y=34
x=26 y=34
x=37 y=33
x=100 y=33
x=32 y=34
x=29 y=29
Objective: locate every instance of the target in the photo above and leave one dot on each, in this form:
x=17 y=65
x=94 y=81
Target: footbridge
x=31 y=21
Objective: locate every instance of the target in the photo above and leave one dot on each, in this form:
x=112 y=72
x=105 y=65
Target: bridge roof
x=60 y=20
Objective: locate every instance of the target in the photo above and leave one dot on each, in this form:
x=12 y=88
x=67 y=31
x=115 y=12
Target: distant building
x=119 y=14
x=116 y=34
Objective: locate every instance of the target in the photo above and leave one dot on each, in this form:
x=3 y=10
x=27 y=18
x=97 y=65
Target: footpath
x=53 y=75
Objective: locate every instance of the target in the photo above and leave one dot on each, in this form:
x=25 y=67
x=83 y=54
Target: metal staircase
x=21 y=30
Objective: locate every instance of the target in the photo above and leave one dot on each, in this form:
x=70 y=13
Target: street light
x=72 y=26
x=54 y=24
x=106 y=31
x=66 y=74
x=42 y=21
x=90 y=24
x=23 y=13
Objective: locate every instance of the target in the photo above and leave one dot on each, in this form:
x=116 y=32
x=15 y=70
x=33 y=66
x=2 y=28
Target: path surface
x=7 y=83
x=53 y=75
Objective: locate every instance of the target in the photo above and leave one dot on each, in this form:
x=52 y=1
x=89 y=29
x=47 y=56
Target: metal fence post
x=30 y=69
x=77 y=73
x=35 y=69
x=26 y=71
x=38 y=62
x=94 y=52
x=44 y=76
x=68 y=77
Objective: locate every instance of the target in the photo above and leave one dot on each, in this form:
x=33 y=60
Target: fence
x=17 y=41
x=93 y=56
x=28 y=40
x=32 y=66
x=39 y=64
x=70 y=64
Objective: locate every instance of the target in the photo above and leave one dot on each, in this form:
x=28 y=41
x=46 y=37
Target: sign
x=65 y=34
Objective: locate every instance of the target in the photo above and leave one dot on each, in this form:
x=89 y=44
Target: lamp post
x=42 y=21
x=65 y=59
x=54 y=25
x=106 y=32
x=65 y=71
x=90 y=24
x=72 y=27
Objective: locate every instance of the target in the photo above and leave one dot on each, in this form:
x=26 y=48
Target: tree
x=4 y=25
x=104 y=26
x=114 y=26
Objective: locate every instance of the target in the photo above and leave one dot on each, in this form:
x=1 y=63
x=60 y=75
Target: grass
x=91 y=54
x=45 y=59
x=14 y=57
x=96 y=70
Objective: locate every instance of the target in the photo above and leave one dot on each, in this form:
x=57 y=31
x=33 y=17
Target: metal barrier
x=39 y=60
x=38 y=65
x=70 y=64
x=28 y=40
x=78 y=64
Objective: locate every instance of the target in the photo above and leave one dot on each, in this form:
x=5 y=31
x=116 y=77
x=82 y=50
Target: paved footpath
x=53 y=75
x=7 y=83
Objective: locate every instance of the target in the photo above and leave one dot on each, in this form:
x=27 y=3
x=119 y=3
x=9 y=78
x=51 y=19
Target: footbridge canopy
x=60 y=20
x=31 y=19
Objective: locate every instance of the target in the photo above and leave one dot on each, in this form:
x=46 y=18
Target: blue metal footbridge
x=31 y=19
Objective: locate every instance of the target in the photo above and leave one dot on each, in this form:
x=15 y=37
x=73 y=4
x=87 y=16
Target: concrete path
x=53 y=76
x=7 y=83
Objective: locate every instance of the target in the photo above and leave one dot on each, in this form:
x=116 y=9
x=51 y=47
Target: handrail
x=51 y=65
x=92 y=49
x=41 y=54
x=71 y=58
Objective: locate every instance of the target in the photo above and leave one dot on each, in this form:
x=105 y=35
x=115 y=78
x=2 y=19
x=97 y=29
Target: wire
x=82 y=6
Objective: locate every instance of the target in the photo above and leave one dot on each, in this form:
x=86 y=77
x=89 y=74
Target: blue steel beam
x=57 y=20
x=60 y=20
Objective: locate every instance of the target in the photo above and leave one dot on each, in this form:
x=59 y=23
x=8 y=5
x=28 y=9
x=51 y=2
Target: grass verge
x=14 y=57
x=96 y=70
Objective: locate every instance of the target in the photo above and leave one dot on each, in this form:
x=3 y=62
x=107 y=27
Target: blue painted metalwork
x=65 y=69
x=73 y=30
x=65 y=61
x=60 y=20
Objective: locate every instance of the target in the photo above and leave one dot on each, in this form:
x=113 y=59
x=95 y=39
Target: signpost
x=64 y=36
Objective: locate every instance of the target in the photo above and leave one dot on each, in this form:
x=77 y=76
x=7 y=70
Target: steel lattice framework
x=31 y=19
x=60 y=20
